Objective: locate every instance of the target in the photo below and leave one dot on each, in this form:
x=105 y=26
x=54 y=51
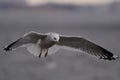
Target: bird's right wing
x=28 y=38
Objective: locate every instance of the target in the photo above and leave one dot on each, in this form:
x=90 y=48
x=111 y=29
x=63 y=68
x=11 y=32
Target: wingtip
x=117 y=57
x=6 y=49
x=112 y=58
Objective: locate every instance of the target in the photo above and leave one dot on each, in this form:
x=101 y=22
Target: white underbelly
x=34 y=49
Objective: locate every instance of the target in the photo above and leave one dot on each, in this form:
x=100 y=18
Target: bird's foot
x=39 y=55
x=46 y=54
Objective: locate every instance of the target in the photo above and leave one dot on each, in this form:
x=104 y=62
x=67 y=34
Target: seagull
x=40 y=44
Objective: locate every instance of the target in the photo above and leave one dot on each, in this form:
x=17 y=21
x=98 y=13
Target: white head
x=54 y=37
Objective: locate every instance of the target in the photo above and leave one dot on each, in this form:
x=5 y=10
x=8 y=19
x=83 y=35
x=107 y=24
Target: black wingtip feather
x=7 y=48
x=108 y=55
x=110 y=58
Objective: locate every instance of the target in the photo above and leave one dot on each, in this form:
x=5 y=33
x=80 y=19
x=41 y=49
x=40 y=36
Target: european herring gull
x=40 y=44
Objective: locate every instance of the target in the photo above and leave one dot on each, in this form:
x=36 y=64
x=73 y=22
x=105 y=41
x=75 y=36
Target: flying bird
x=40 y=44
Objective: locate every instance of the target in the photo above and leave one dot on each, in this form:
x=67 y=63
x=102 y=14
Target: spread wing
x=86 y=46
x=29 y=38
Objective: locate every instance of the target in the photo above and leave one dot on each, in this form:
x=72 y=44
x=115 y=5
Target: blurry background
x=96 y=20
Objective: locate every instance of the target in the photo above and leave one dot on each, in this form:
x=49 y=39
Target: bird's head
x=54 y=37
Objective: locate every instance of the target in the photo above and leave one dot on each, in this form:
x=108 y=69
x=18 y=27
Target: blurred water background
x=98 y=23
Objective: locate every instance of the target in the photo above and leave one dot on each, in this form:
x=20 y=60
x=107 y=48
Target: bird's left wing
x=86 y=46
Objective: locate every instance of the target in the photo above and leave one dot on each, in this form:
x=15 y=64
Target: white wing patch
x=34 y=49
x=53 y=49
x=71 y=49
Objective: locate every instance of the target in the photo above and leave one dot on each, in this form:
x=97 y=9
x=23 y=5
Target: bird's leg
x=40 y=53
x=46 y=53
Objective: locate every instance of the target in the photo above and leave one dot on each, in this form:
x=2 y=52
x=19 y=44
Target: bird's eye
x=55 y=38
